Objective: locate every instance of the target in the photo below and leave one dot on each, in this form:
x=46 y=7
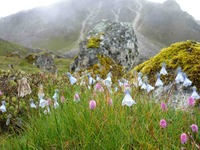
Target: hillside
x=9 y=48
x=61 y=26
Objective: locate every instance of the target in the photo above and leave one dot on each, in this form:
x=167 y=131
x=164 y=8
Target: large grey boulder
x=112 y=39
x=43 y=60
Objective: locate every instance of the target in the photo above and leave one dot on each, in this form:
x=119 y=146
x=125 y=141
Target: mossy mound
x=104 y=66
x=184 y=54
x=94 y=42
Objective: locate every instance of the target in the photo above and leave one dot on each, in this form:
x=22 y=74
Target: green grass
x=62 y=64
x=21 y=64
x=18 y=64
x=8 y=47
x=74 y=126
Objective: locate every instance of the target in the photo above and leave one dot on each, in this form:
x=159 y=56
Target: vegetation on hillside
x=74 y=124
x=182 y=54
x=10 y=49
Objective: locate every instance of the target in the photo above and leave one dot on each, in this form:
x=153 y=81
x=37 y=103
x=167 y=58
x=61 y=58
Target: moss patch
x=184 y=54
x=105 y=66
x=94 y=42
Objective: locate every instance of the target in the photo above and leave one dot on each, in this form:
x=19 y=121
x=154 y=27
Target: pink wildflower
x=76 y=97
x=49 y=101
x=183 y=138
x=62 y=99
x=98 y=87
x=163 y=106
x=163 y=123
x=1 y=93
x=92 y=104
x=110 y=101
x=194 y=128
x=191 y=101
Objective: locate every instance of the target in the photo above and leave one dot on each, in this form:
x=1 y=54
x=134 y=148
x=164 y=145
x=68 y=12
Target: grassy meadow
x=73 y=125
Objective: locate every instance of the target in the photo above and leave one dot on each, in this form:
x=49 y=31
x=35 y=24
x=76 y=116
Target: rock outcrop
x=112 y=39
x=43 y=60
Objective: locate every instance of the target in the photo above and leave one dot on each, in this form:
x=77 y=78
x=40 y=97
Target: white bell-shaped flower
x=149 y=88
x=55 y=104
x=120 y=83
x=158 y=81
x=90 y=79
x=163 y=70
x=195 y=95
x=179 y=78
x=72 y=79
x=3 y=106
x=43 y=103
x=8 y=119
x=47 y=110
x=144 y=86
x=128 y=100
x=32 y=104
x=187 y=82
x=56 y=95
x=98 y=78
x=140 y=82
x=108 y=80
x=40 y=95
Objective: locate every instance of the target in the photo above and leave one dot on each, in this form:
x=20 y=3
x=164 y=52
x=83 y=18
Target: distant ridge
x=61 y=26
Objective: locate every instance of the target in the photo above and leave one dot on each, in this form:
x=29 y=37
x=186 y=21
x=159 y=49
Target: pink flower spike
x=163 y=123
x=1 y=93
x=98 y=87
x=92 y=104
x=183 y=138
x=62 y=99
x=49 y=101
x=110 y=101
x=163 y=106
x=194 y=128
x=191 y=101
x=126 y=85
x=76 y=97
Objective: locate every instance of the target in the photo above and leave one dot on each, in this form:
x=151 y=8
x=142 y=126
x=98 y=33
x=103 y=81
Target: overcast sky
x=8 y=7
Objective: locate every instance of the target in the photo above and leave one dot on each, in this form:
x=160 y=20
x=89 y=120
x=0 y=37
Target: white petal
x=43 y=103
x=187 y=82
x=3 y=108
x=149 y=88
x=195 y=95
x=163 y=71
x=72 y=80
x=32 y=105
x=140 y=81
x=128 y=100
x=144 y=86
x=159 y=82
x=179 y=78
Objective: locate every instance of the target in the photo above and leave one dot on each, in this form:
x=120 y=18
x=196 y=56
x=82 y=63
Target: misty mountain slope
x=167 y=23
x=61 y=26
